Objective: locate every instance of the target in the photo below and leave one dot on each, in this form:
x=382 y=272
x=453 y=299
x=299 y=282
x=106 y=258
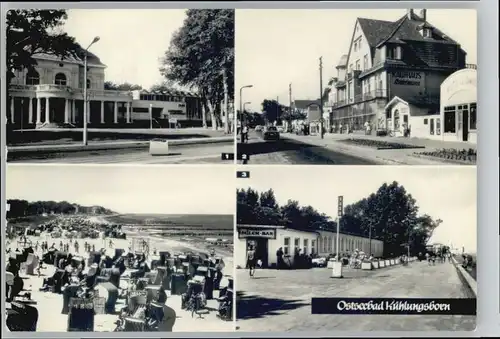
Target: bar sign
x=340 y=211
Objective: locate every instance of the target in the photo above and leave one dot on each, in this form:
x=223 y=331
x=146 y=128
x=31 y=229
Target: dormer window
x=395 y=53
x=426 y=32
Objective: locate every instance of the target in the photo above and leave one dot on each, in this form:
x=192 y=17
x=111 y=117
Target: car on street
x=271 y=133
x=258 y=128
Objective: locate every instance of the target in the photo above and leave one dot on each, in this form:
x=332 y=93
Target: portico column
x=47 y=110
x=30 y=110
x=66 y=111
x=88 y=112
x=115 y=117
x=38 y=110
x=12 y=119
x=73 y=111
x=129 y=104
x=102 y=112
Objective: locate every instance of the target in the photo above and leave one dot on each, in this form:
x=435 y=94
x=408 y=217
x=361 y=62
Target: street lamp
x=241 y=107
x=85 y=99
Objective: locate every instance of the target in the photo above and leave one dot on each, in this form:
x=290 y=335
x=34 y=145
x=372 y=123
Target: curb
x=111 y=145
x=466 y=276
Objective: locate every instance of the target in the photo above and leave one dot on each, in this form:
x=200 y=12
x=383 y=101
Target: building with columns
x=53 y=95
x=408 y=58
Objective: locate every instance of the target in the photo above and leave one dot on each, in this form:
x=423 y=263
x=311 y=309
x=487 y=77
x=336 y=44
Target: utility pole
x=321 y=93
x=226 y=102
x=289 y=129
x=277 y=109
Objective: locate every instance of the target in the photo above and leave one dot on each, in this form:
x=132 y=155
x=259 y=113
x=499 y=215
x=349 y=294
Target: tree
x=23 y=208
x=109 y=85
x=31 y=32
x=273 y=110
x=199 y=55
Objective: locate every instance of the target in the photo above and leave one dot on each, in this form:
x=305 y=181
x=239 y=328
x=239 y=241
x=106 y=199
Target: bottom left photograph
x=119 y=248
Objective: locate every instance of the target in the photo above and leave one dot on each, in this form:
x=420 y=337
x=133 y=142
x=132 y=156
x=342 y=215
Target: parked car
x=258 y=128
x=271 y=133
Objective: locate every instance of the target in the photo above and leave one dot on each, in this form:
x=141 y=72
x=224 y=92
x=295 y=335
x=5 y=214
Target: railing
x=71 y=90
x=379 y=93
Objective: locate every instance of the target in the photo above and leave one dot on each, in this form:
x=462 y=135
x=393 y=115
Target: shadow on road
x=265 y=147
x=251 y=307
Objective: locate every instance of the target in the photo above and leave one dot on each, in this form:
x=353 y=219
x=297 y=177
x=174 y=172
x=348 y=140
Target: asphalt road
x=280 y=301
x=186 y=154
x=288 y=151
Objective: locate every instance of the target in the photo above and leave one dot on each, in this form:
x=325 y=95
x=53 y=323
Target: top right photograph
x=356 y=87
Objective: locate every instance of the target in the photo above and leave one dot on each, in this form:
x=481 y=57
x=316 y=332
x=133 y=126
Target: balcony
x=68 y=92
x=376 y=94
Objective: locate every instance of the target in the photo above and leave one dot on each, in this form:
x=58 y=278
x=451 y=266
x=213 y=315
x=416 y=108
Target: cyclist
x=251 y=260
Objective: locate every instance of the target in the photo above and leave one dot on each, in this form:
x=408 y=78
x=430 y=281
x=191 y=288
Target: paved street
x=290 y=151
x=281 y=300
x=299 y=149
x=187 y=154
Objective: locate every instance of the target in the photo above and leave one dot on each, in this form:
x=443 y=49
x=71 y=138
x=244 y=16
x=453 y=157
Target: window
x=358 y=65
x=306 y=246
x=60 y=79
x=286 y=246
x=32 y=78
x=355 y=46
x=473 y=117
x=88 y=83
x=426 y=121
x=325 y=244
x=365 y=62
x=450 y=119
x=313 y=246
x=296 y=243
x=438 y=126
x=359 y=43
x=427 y=33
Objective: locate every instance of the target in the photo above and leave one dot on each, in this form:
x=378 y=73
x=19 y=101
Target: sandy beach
x=49 y=305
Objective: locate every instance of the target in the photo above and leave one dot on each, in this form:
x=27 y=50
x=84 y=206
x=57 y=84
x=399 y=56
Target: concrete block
x=366 y=266
x=158 y=147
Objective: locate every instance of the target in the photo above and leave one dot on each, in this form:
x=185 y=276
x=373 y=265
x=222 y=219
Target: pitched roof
x=92 y=59
x=343 y=61
x=375 y=30
x=304 y=104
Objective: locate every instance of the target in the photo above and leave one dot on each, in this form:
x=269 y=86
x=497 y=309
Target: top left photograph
x=120 y=86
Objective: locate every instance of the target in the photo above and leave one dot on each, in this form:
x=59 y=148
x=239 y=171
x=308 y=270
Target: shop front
x=459 y=106
x=266 y=240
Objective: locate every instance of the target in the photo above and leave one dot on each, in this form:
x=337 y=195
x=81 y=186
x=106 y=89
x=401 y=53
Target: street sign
x=340 y=210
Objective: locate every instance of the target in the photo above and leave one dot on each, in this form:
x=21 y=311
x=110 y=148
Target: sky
x=443 y=192
x=128 y=189
x=132 y=41
x=277 y=47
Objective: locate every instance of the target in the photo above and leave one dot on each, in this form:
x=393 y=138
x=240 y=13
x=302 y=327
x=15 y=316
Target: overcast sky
x=278 y=47
x=128 y=189
x=132 y=40
x=444 y=192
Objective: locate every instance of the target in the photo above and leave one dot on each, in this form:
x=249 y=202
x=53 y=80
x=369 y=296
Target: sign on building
x=340 y=211
x=407 y=78
x=257 y=233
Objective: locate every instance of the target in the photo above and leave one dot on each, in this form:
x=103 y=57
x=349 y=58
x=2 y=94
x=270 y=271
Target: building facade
x=408 y=59
x=53 y=94
x=268 y=239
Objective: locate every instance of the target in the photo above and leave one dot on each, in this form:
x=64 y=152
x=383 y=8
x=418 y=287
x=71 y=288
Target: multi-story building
x=407 y=59
x=53 y=94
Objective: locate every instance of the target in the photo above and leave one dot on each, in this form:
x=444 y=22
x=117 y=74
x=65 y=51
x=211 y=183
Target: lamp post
x=85 y=99
x=241 y=107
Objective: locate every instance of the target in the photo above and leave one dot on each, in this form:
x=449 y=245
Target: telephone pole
x=321 y=93
x=277 y=109
x=290 y=111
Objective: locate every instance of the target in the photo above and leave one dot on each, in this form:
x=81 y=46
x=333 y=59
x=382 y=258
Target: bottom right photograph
x=361 y=248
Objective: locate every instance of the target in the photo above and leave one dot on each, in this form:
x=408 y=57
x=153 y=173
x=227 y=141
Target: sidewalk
x=383 y=157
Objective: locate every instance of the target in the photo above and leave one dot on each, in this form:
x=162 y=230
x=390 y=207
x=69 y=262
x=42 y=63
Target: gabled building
x=407 y=59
